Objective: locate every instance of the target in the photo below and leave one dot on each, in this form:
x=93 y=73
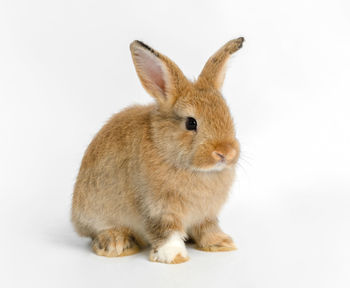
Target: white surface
x=65 y=67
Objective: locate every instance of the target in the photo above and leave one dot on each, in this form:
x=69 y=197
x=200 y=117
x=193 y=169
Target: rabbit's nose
x=218 y=156
x=223 y=157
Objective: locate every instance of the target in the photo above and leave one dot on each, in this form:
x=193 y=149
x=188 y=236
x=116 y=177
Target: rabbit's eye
x=191 y=124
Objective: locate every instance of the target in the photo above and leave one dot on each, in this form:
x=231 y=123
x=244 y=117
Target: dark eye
x=191 y=124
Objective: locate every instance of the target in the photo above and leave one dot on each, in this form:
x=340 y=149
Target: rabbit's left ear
x=160 y=76
x=213 y=73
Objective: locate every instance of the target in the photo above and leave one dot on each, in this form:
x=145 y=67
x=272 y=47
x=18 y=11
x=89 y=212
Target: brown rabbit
x=159 y=174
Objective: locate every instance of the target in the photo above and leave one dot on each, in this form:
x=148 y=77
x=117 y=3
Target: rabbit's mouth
x=216 y=167
x=221 y=165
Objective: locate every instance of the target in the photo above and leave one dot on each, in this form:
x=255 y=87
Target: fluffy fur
x=147 y=180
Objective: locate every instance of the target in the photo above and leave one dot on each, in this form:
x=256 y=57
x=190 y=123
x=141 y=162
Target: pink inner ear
x=154 y=71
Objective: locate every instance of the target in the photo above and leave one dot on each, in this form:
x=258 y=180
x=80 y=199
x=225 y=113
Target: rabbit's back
x=103 y=193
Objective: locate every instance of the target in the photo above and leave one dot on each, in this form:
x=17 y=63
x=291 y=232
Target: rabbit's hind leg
x=115 y=242
x=209 y=237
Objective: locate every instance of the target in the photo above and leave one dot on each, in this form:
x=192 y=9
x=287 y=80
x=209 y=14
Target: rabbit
x=157 y=175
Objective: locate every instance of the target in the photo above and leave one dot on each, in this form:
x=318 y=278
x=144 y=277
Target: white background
x=65 y=68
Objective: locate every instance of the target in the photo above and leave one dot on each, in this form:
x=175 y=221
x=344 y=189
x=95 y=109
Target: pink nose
x=218 y=156
x=221 y=156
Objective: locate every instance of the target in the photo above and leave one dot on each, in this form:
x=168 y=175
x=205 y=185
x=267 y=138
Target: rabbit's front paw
x=173 y=251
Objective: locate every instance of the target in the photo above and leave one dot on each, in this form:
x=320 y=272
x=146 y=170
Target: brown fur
x=144 y=175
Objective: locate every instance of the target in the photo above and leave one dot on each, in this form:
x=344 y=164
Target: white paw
x=173 y=248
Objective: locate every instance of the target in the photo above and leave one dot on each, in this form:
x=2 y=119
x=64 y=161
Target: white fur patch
x=170 y=249
x=217 y=167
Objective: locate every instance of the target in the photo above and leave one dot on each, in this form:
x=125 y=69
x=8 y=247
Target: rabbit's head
x=191 y=126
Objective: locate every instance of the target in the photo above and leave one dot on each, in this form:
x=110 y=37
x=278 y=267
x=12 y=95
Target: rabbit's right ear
x=213 y=73
x=161 y=78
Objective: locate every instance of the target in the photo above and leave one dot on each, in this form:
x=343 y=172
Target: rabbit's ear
x=158 y=74
x=213 y=73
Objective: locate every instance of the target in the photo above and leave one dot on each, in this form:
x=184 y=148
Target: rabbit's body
x=145 y=179
x=122 y=175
